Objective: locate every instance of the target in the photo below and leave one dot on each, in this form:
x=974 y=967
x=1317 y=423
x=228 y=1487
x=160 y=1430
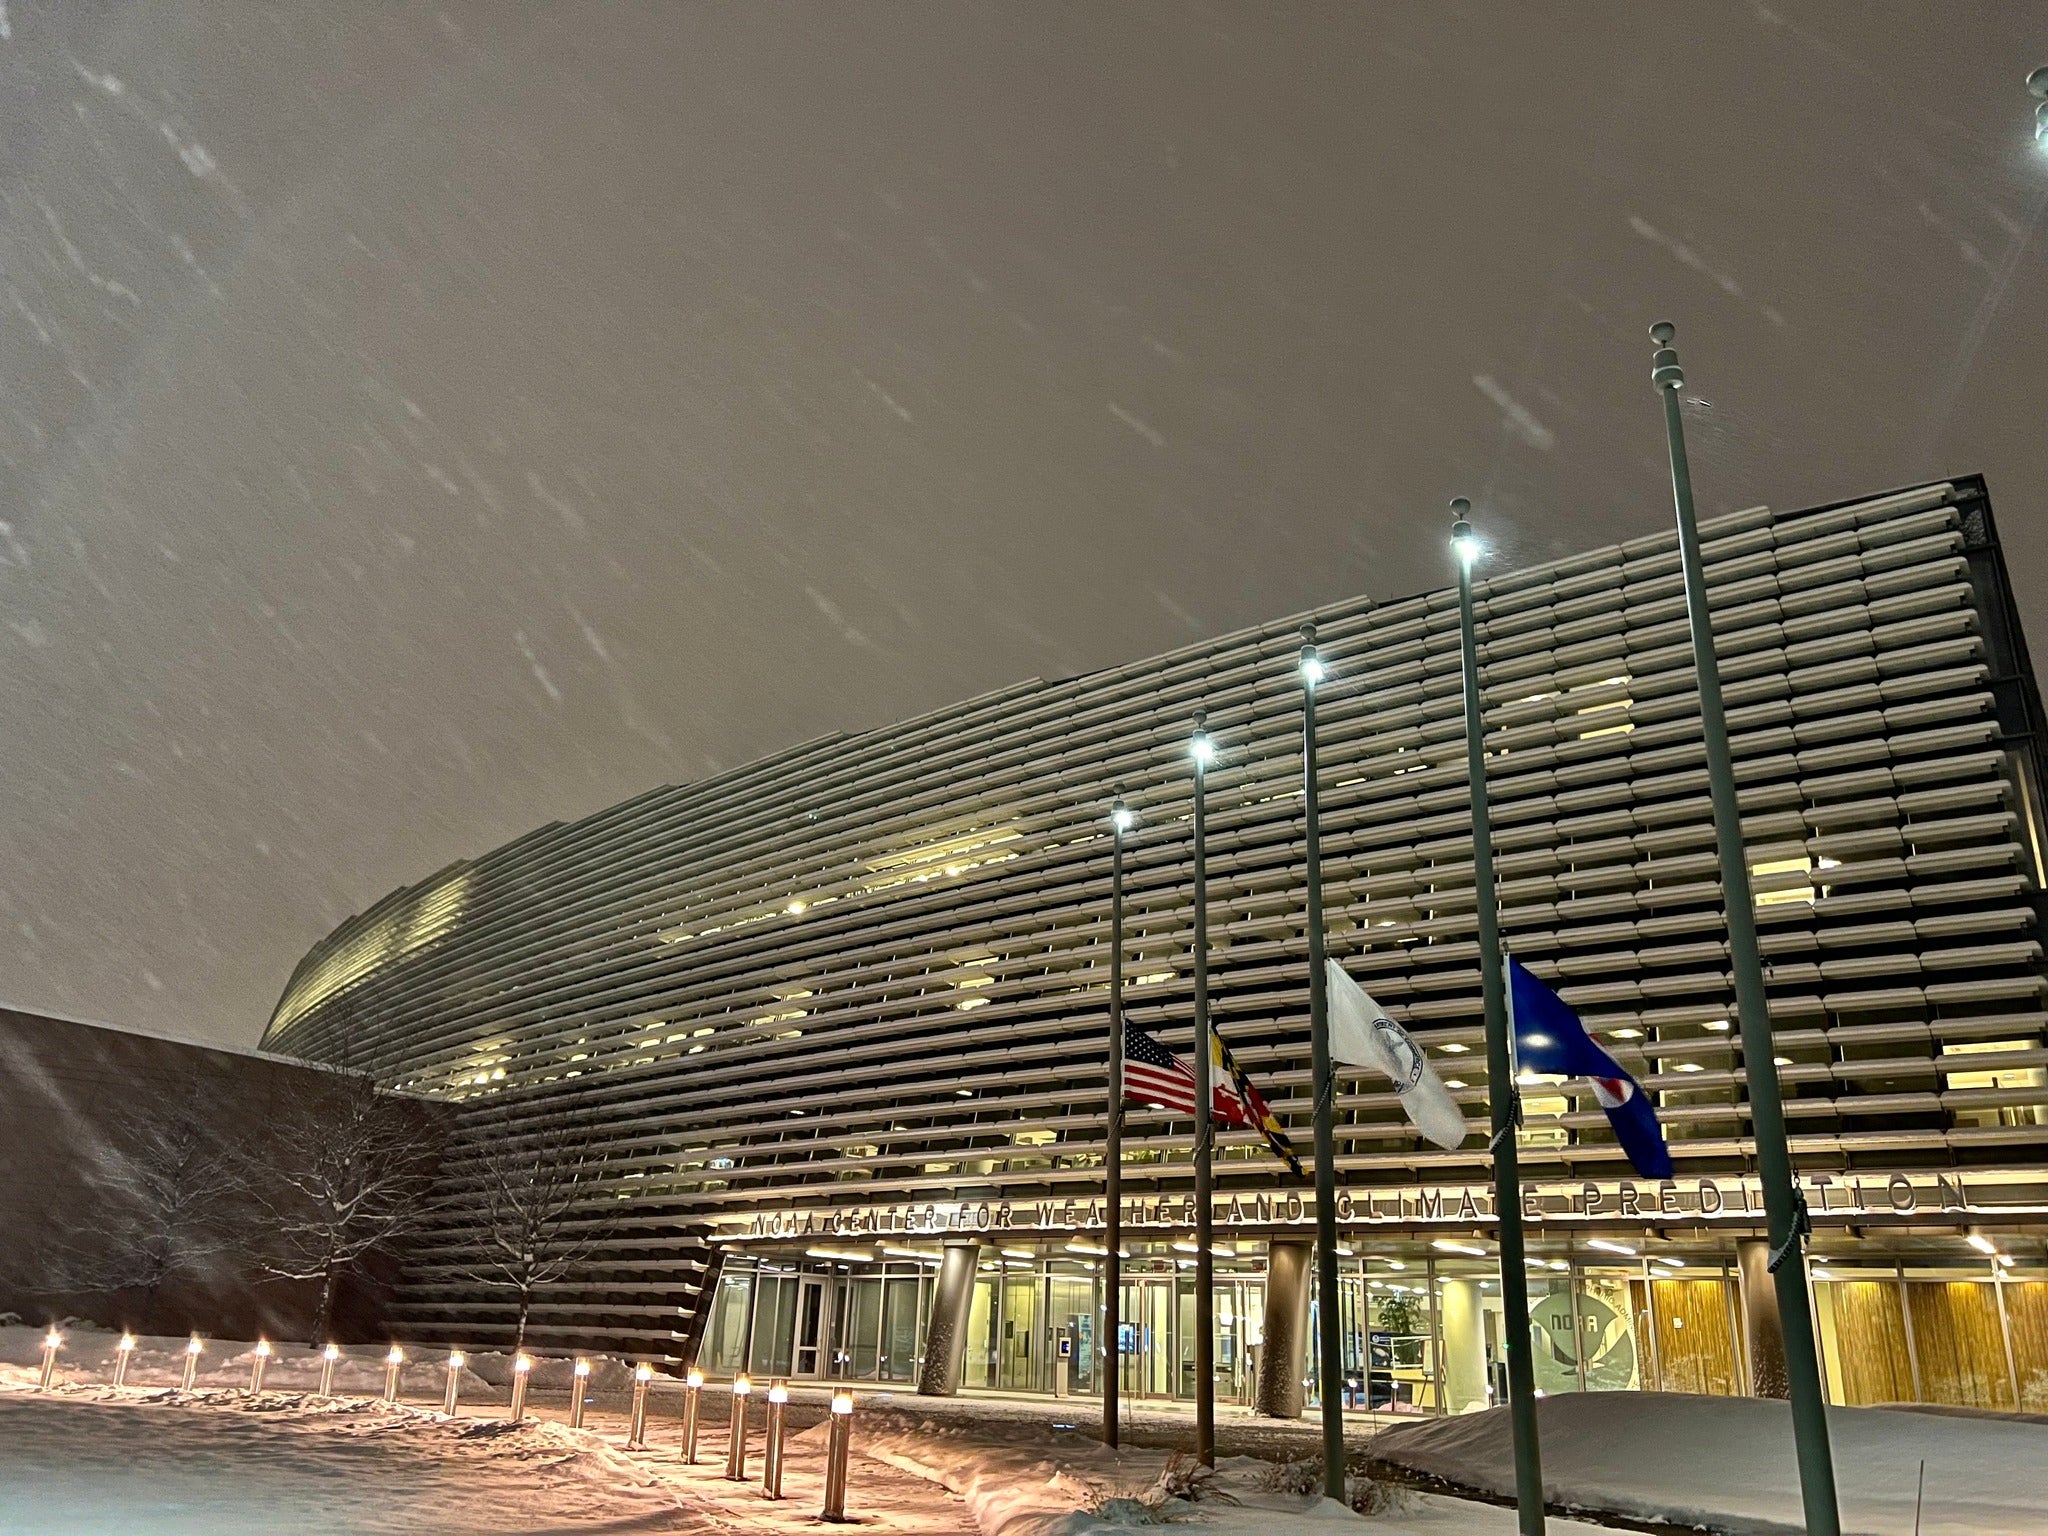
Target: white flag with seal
x=1362 y=1035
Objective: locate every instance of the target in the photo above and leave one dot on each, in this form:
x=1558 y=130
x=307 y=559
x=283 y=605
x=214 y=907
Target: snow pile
x=1726 y=1463
x=1041 y=1481
x=552 y=1373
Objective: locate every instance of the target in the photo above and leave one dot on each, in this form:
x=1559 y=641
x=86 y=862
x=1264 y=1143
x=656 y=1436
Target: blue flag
x=1550 y=1039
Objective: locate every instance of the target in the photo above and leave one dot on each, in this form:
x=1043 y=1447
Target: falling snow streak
x=426 y=424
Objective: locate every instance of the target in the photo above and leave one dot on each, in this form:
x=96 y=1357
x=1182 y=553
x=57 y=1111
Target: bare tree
x=167 y=1188
x=538 y=1210
x=349 y=1177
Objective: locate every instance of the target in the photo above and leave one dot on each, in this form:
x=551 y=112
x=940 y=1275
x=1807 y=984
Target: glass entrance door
x=1146 y=1320
x=811 y=1330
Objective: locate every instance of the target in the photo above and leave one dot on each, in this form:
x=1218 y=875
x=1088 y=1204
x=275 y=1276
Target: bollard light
x=123 y=1353
x=448 y=1397
x=522 y=1368
x=736 y=1431
x=328 y=1356
x=257 y=1364
x=576 y=1391
x=52 y=1342
x=636 y=1435
x=192 y=1348
x=835 y=1456
x=693 y=1389
x=392 y=1364
x=771 y=1455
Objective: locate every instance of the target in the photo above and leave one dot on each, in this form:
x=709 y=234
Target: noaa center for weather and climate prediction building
x=842 y=1014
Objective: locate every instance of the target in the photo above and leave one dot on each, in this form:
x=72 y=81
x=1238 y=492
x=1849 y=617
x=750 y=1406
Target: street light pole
x=1502 y=1095
x=1202 y=750
x=1784 y=1208
x=1112 y=1265
x=1324 y=1084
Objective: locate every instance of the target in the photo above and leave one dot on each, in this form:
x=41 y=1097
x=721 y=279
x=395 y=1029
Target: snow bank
x=1046 y=1482
x=1726 y=1463
x=1015 y=1489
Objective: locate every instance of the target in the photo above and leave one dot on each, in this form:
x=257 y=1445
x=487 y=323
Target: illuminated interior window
x=1774 y=882
x=427 y=916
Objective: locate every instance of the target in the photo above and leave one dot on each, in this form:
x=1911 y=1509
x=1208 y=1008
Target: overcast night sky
x=419 y=423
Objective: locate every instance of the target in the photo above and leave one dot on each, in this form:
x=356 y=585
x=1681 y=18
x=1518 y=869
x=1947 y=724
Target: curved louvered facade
x=853 y=995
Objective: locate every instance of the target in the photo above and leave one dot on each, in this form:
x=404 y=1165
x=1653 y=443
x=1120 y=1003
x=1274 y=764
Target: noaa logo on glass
x=1401 y=1052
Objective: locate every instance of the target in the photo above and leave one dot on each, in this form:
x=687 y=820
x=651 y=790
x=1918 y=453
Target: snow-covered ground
x=1727 y=1463
x=1038 y=1481
x=87 y=1460
x=277 y=1463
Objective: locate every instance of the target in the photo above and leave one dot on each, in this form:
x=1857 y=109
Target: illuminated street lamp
x=771 y=1457
x=392 y=1364
x=328 y=1356
x=1202 y=750
x=123 y=1353
x=693 y=1389
x=1120 y=822
x=643 y=1373
x=1323 y=1076
x=576 y=1391
x=835 y=1456
x=1502 y=1104
x=260 y=1359
x=522 y=1368
x=2037 y=87
x=736 y=1439
x=192 y=1349
x=449 y=1397
x=52 y=1342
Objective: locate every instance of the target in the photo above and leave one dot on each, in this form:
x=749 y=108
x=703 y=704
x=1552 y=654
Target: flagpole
x=1201 y=749
x=1323 y=1085
x=1501 y=1093
x=1113 y=1152
x=1784 y=1210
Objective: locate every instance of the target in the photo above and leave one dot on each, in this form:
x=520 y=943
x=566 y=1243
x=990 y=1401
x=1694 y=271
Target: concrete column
x=945 y=1334
x=1464 y=1346
x=1283 y=1350
x=1766 y=1328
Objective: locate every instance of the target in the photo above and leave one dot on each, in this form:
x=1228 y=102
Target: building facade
x=842 y=1013
x=128 y=1200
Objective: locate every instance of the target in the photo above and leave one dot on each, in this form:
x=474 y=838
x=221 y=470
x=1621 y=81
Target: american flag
x=1154 y=1075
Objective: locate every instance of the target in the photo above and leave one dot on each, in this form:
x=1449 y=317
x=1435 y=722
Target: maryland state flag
x=1238 y=1103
